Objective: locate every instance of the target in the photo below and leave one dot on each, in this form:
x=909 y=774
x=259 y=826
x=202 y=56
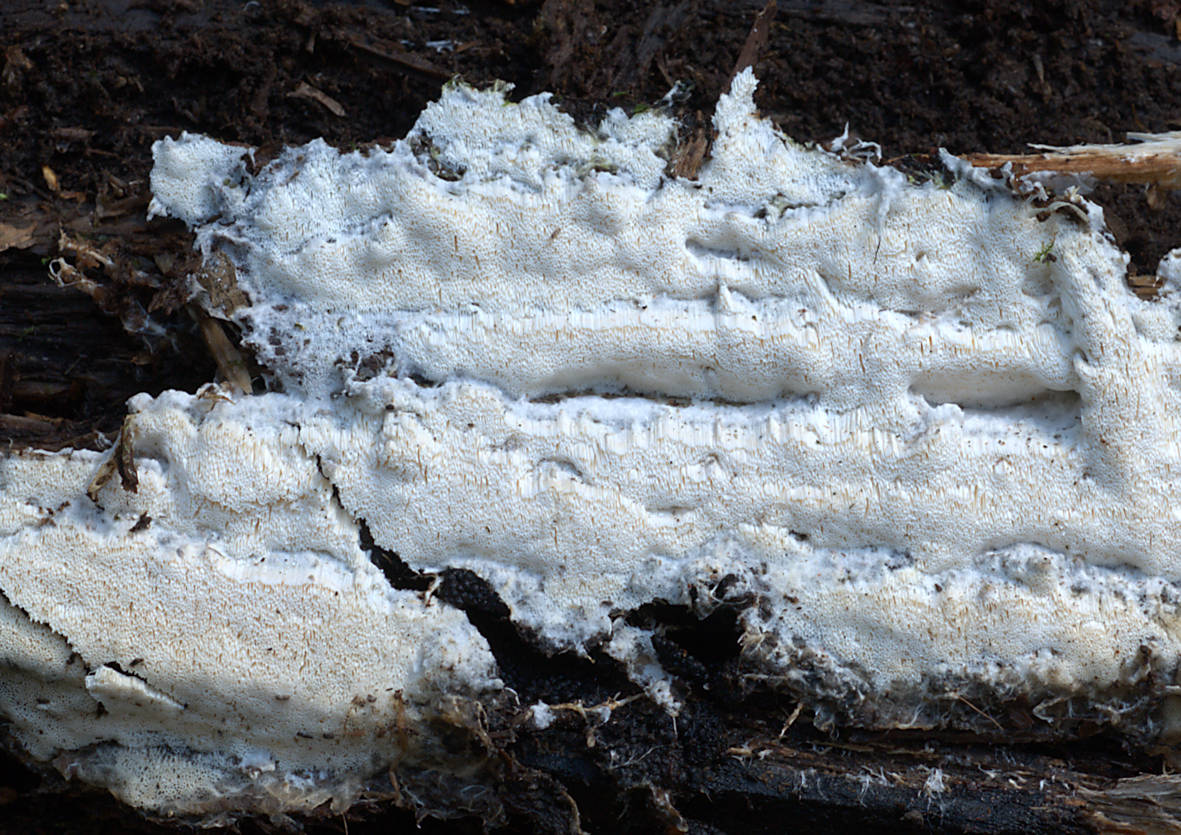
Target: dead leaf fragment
x=756 y=41
x=16 y=237
x=219 y=278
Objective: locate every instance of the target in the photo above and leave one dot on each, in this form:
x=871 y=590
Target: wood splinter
x=1151 y=159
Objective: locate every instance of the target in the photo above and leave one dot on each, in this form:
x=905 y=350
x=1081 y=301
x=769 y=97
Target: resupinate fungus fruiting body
x=927 y=459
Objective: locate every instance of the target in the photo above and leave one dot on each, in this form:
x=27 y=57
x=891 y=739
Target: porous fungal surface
x=215 y=638
x=921 y=432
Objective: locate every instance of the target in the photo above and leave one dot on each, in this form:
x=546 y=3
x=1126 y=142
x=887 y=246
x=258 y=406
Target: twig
x=1154 y=160
x=307 y=91
x=397 y=56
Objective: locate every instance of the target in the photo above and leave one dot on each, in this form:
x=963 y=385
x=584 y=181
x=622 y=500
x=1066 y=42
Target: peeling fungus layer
x=926 y=427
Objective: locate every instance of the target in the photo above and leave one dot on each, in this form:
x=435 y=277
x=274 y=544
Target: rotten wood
x=86 y=87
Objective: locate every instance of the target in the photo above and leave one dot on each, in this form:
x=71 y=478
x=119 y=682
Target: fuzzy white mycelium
x=922 y=432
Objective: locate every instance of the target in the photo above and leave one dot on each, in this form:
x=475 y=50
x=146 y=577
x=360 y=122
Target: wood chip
x=230 y=363
x=50 y=178
x=689 y=157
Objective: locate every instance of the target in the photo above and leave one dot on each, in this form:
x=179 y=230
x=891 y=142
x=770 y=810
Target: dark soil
x=86 y=86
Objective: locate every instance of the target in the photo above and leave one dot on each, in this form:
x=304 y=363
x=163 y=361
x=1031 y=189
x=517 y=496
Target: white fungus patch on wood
x=925 y=427
x=215 y=640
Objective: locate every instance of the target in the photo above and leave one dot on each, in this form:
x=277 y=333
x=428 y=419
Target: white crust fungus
x=216 y=639
x=927 y=428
